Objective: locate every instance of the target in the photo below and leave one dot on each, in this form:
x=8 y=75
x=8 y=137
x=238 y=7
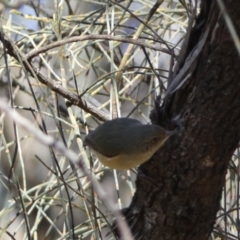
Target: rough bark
x=182 y=199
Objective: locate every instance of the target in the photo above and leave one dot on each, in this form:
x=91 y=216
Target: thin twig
x=53 y=85
x=73 y=158
x=59 y=43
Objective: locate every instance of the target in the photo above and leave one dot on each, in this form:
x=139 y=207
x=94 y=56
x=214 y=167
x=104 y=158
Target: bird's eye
x=150 y=143
x=154 y=140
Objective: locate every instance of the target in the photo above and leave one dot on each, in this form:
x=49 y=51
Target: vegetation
x=67 y=66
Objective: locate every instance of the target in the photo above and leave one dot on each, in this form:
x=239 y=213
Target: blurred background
x=42 y=195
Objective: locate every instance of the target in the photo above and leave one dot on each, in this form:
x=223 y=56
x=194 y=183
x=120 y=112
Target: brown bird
x=124 y=143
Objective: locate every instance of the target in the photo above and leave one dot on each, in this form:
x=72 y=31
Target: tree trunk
x=182 y=198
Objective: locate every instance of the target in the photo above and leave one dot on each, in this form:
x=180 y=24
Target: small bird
x=124 y=143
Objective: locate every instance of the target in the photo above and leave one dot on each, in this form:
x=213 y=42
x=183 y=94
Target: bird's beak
x=170 y=133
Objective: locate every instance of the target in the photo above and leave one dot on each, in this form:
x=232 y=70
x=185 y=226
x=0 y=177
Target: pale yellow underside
x=123 y=162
